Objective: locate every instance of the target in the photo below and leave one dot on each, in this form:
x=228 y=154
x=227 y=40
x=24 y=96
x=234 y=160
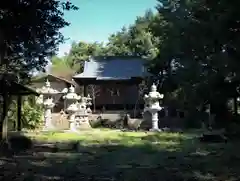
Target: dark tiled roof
x=113 y=68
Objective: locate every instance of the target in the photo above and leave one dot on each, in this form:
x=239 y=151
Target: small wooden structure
x=58 y=84
x=113 y=80
x=8 y=88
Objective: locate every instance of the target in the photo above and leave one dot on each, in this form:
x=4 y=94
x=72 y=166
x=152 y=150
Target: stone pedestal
x=48 y=105
x=72 y=122
x=155 y=122
x=48 y=119
x=72 y=109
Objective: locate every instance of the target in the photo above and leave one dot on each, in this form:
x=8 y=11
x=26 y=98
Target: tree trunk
x=135 y=108
x=19 y=113
x=94 y=104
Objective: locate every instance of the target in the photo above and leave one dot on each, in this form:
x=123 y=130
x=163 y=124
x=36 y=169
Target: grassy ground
x=126 y=156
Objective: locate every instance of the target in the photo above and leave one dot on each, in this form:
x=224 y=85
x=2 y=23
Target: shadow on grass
x=157 y=157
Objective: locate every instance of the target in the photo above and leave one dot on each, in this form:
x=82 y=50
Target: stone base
x=72 y=131
x=83 y=124
x=155 y=130
x=49 y=129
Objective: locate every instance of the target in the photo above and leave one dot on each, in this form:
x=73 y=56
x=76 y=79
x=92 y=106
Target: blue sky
x=97 y=19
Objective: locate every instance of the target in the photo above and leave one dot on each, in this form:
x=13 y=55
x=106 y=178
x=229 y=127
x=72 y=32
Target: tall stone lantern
x=72 y=99
x=152 y=105
x=48 y=105
x=88 y=101
x=46 y=99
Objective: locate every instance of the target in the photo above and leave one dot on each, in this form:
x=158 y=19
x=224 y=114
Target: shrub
x=95 y=123
x=31 y=115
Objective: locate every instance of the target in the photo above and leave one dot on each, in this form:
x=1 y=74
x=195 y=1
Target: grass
x=131 y=156
x=105 y=136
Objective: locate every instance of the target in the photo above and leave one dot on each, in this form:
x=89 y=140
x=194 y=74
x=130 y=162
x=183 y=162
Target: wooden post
x=235 y=105
x=19 y=113
x=85 y=90
x=4 y=121
x=4 y=114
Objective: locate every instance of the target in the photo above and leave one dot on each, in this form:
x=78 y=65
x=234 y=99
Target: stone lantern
x=152 y=105
x=88 y=104
x=46 y=99
x=48 y=105
x=72 y=99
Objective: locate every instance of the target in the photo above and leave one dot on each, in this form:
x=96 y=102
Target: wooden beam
x=19 y=113
x=18 y=93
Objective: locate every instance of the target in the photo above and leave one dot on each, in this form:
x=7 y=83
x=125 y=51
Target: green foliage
x=73 y=62
x=81 y=52
x=199 y=46
x=62 y=67
x=137 y=40
x=30 y=34
x=31 y=115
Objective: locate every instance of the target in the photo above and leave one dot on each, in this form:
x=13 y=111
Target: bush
x=95 y=123
x=31 y=115
x=106 y=123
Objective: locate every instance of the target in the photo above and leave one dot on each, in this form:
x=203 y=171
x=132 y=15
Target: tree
x=136 y=40
x=142 y=88
x=30 y=31
x=197 y=59
x=94 y=91
x=29 y=36
x=62 y=68
x=81 y=52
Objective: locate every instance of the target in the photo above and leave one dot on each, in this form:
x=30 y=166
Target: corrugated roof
x=110 y=68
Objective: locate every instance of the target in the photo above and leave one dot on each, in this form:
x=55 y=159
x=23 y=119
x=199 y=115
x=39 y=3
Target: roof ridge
x=104 y=58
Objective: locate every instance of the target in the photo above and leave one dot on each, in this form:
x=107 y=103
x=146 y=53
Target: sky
x=97 y=19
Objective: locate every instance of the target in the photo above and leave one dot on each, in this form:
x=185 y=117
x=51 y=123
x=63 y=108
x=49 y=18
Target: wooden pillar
x=124 y=97
x=85 y=90
x=19 y=113
x=235 y=105
x=4 y=115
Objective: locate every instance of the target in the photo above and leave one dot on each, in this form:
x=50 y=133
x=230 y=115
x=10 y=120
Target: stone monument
x=72 y=99
x=48 y=105
x=152 y=105
x=82 y=115
x=46 y=99
x=88 y=104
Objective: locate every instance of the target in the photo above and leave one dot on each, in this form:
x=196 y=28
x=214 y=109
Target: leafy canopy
x=29 y=33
